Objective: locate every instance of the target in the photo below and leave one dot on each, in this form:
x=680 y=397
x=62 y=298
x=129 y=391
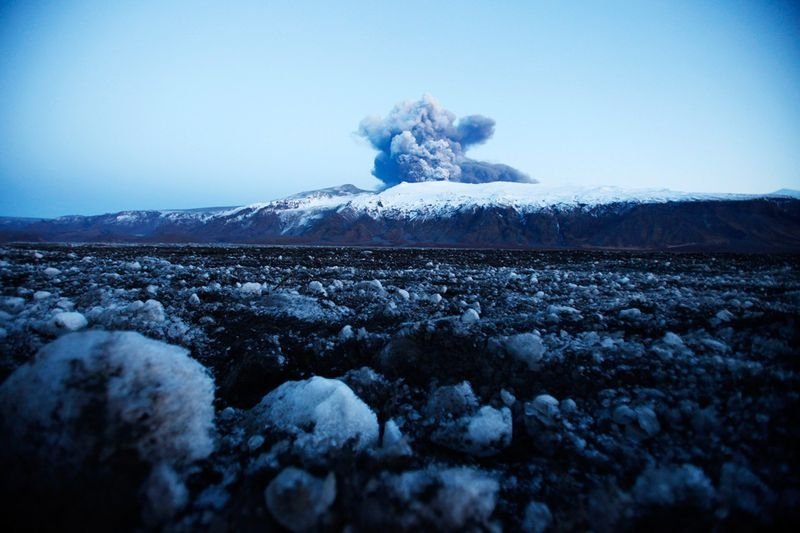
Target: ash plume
x=422 y=141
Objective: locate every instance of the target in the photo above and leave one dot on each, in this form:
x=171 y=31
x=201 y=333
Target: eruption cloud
x=421 y=141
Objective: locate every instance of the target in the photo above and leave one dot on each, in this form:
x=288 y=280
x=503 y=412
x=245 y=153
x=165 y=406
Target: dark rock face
x=754 y=225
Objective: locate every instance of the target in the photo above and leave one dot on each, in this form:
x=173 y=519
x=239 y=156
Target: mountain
x=449 y=214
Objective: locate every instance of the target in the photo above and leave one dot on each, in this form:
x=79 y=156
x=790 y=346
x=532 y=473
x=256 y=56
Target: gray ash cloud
x=422 y=141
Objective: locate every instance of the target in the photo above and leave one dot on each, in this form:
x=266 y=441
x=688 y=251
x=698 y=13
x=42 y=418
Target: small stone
x=470 y=316
x=346 y=333
x=544 y=408
x=255 y=442
x=69 y=321
x=537 y=518
x=507 y=398
x=724 y=315
x=630 y=314
x=648 y=421
x=227 y=414
x=316 y=287
x=672 y=340
x=568 y=406
x=393 y=442
x=623 y=415
x=297 y=500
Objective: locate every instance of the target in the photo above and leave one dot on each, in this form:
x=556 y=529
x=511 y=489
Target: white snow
x=439 y=199
x=442 y=197
x=323 y=413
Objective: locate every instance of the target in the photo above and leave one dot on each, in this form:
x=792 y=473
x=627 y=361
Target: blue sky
x=106 y=106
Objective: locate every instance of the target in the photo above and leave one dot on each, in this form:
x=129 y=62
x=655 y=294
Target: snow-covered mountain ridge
x=443 y=198
x=440 y=198
x=488 y=215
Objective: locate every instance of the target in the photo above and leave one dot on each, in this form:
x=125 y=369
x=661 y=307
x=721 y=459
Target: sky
x=109 y=106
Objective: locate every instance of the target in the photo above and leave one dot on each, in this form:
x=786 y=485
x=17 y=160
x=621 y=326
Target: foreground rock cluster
x=188 y=388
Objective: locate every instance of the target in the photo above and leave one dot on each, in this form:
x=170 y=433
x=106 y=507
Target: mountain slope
x=457 y=214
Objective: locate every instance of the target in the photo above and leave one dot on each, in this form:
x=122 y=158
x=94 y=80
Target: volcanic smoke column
x=421 y=141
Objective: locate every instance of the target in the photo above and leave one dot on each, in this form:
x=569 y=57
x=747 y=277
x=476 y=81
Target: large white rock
x=324 y=414
x=89 y=394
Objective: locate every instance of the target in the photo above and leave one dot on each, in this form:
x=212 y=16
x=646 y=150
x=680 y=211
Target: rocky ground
x=397 y=388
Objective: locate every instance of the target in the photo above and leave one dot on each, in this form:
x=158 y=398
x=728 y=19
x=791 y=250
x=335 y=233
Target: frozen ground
x=398 y=389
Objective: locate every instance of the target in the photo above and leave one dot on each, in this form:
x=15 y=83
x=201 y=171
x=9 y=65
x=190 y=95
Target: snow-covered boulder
x=463 y=427
x=250 y=289
x=91 y=394
x=324 y=414
x=102 y=425
x=482 y=434
x=526 y=348
x=315 y=287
